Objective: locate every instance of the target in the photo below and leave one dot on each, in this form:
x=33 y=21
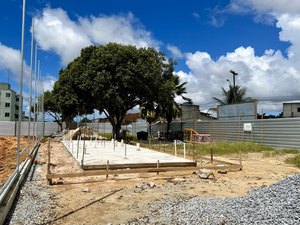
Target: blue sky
x=258 y=39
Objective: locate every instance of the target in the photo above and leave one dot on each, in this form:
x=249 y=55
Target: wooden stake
x=240 y=158
x=184 y=152
x=48 y=163
x=175 y=148
x=157 y=167
x=107 y=168
x=211 y=155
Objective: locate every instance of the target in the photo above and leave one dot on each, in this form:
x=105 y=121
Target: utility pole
x=233 y=78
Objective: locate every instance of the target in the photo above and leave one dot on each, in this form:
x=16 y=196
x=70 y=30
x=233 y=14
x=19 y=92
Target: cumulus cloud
x=267 y=6
x=55 y=31
x=175 y=51
x=270 y=76
x=10 y=60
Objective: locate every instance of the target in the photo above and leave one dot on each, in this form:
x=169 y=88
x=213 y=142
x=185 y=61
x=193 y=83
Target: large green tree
x=114 y=78
x=52 y=108
x=73 y=90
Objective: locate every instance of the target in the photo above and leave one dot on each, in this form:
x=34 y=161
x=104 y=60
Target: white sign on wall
x=247 y=127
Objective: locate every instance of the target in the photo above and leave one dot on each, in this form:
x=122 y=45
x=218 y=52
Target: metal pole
x=38 y=100
x=30 y=92
x=43 y=114
x=34 y=97
x=21 y=87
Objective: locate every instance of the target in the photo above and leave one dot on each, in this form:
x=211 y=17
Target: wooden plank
x=139 y=165
x=129 y=171
x=219 y=161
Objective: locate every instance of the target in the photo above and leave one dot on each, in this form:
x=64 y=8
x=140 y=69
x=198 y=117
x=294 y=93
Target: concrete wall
x=9 y=128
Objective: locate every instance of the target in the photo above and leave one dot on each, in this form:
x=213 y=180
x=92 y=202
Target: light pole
x=233 y=78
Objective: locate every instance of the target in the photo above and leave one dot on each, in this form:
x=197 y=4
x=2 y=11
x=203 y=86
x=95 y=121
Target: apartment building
x=9 y=103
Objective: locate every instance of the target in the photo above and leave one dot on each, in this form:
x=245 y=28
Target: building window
x=298 y=109
x=7 y=95
x=6 y=114
x=17 y=99
x=16 y=116
x=17 y=107
x=7 y=104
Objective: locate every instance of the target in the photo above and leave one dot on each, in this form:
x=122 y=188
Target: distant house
x=291 y=109
x=9 y=103
x=192 y=112
x=130 y=117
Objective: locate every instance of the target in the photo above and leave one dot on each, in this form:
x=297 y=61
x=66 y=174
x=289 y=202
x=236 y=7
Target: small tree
x=233 y=95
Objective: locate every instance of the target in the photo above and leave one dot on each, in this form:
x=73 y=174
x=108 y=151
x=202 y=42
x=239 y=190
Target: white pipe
x=21 y=87
x=30 y=92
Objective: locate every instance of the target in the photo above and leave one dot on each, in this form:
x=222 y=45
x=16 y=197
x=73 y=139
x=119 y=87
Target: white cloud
x=175 y=51
x=269 y=76
x=55 y=31
x=10 y=60
x=267 y=6
x=49 y=81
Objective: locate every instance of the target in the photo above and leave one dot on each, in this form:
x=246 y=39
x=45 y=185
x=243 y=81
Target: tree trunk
x=150 y=130
x=60 y=126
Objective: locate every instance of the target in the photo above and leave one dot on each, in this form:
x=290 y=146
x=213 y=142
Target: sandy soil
x=135 y=194
x=8 y=153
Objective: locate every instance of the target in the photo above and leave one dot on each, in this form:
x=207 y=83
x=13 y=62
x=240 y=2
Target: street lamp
x=233 y=78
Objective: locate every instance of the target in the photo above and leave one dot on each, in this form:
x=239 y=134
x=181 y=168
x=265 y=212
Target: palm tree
x=171 y=109
x=234 y=95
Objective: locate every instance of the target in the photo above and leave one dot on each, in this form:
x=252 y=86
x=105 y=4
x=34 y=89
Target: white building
x=9 y=103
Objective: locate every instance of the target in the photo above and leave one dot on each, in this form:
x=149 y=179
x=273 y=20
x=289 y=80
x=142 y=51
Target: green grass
x=227 y=148
x=294 y=160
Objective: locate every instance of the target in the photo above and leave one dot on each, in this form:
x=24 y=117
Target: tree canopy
x=234 y=95
x=114 y=78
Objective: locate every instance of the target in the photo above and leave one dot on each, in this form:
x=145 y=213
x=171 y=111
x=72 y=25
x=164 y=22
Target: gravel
x=276 y=204
x=33 y=204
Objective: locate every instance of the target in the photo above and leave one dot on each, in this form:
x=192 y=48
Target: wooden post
x=72 y=144
x=184 y=152
x=159 y=145
x=200 y=160
x=78 y=137
x=157 y=166
x=240 y=158
x=83 y=151
x=175 y=148
x=48 y=163
x=211 y=155
x=107 y=168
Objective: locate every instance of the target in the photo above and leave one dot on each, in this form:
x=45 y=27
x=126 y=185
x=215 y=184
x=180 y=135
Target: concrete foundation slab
x=98 y=152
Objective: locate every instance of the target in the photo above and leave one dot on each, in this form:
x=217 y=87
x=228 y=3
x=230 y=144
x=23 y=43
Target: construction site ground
x=8 y=155
x=75 y=199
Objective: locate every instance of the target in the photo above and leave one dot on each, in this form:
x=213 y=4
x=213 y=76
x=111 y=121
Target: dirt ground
x=8 y=154
x=76 y=202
